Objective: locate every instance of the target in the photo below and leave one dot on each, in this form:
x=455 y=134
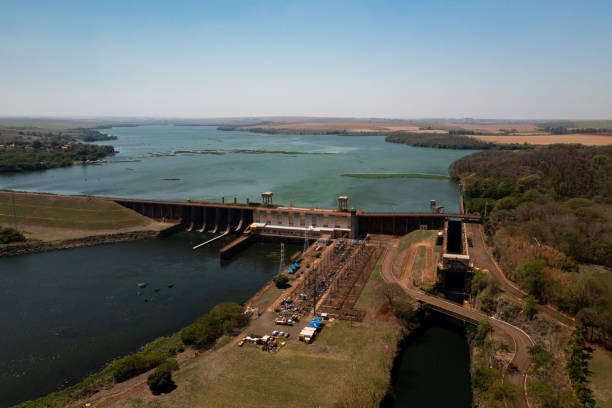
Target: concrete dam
x=274 y=220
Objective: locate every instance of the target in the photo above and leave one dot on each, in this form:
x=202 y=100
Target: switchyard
x=337 y=277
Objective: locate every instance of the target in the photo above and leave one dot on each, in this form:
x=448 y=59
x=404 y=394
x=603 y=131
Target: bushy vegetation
x=281 y=280
x=484 y=288
x=560 y=196
x=562 y=130
x=160 y=380
x=547 y=210
x=451 y=140
x=225 y=318
x=547 y=387
x=487 y=380
x=23 y=160
x=10 y=235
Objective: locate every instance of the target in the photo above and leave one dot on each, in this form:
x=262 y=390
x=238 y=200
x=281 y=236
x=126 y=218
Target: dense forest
x=28 y=135
x=548 y=212
x=42 y=157
x=451 y=140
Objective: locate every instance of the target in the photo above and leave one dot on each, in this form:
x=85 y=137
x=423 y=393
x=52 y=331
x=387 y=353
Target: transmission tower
x=281 y=266
x=306 y=243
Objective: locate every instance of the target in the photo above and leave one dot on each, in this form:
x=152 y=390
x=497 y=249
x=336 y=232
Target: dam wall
x=221 y=217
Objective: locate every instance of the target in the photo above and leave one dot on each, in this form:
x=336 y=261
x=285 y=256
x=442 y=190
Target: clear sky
x=400 y=59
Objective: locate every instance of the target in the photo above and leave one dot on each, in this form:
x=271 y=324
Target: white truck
x=307 y=334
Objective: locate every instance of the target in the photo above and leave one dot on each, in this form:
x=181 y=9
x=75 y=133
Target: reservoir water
x=203 y=163
x=65 y=314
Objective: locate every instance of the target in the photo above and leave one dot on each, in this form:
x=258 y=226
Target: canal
x=433 y=369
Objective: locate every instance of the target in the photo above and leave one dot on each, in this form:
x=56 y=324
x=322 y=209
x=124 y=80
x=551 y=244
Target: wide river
x=65 y=314
x=203 y=163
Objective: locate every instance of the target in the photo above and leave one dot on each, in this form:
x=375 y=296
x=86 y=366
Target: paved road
x=515 y=375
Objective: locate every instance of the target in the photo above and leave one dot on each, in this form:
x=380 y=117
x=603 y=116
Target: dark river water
x=434 y=368
x=65 y=314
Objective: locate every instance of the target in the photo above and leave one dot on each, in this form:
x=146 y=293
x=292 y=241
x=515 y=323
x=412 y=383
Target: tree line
x=39 y=158
x=454 y=139
x=547 y=211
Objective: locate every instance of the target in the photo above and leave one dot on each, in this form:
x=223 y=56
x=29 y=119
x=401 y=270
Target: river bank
x=41 y=246
x=52 y=222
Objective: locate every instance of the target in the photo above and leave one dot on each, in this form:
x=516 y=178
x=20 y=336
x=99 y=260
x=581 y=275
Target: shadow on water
x=433 y=368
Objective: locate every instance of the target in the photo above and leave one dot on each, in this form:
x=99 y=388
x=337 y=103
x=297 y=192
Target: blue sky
x=409 y=59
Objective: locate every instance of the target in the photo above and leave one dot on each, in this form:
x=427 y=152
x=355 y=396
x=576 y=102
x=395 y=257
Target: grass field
x=267 y=298
x=415 y=237
x=585 y=139
x=367 y=299
x=601 y=379
x=419 y=264
x=396 y=175
x=50 y=217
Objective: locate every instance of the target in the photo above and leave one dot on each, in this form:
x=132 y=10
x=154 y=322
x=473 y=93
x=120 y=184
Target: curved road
x=482 y=257
x=518 y=374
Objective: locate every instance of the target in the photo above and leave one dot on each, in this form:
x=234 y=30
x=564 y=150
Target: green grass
x=47 y=215
x=601 y=378
x=348 y=363
x=367 y=298
x=419 y=264
x=395 y=175
x=267 y=298
x=415 y=237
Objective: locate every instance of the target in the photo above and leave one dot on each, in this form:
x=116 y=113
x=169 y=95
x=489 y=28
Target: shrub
x=532 y=278
x=205 y=331
x=281 y=280
x=529 y=306
x=10 y=235
x=132 y=365
x=160 y=380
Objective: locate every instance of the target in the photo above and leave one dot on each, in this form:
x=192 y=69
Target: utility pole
x=306 y=242
x=281 y=266
x=314 y=292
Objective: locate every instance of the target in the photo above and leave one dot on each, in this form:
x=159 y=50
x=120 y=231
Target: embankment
x=42 y=246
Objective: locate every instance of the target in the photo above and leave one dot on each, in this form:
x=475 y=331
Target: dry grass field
x=49 y=217
x=545 y=139
x=349 y=126
x=601 y=378
x=495 y=128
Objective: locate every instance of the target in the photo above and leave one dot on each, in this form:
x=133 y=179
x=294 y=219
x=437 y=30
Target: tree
x=588 y=318
x=281 y=281
x=9 y=235
x=529 y=306
x=390 y=291
x=160 y=380
x=539 y=357
x=532 y=278
x=480 y=332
